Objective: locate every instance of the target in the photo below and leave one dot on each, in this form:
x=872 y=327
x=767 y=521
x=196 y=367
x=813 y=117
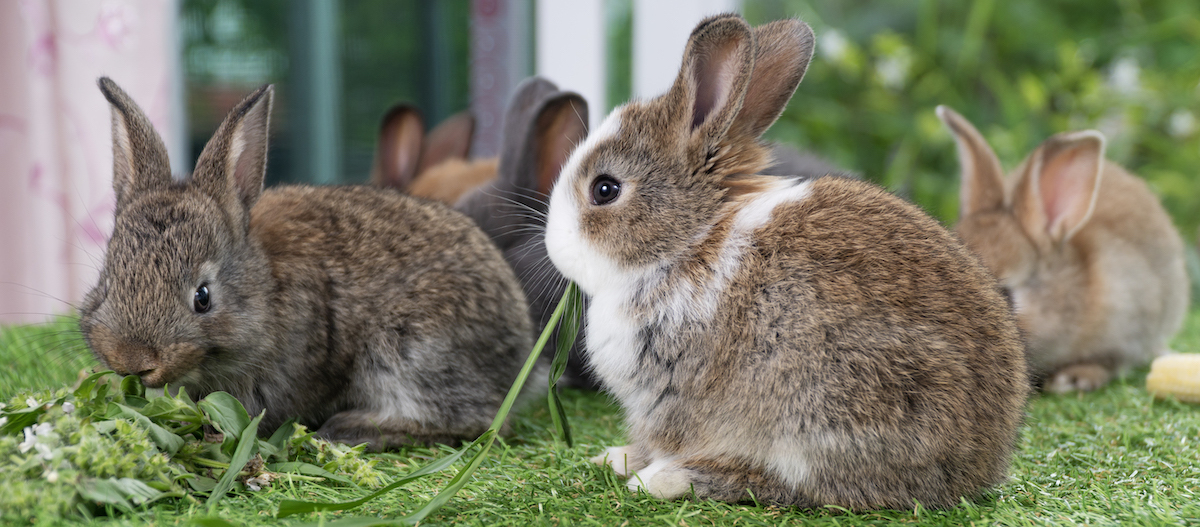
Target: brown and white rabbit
x=542 y=124
x=1091 y=260
x=801 y=341
x=433 y=166
x=370 y=315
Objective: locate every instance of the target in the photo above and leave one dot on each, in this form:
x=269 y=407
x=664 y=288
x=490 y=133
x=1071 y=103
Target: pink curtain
x=56 y=198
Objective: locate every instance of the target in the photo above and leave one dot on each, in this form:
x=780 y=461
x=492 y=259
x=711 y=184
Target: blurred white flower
x=68 y=407
x=893 y=70
x=44 y=451
x=3 y=421
x=1125 y=76
x=833 y=45
x=52 y=476
x=1181 y=123
x=256 y=483
x=30 y=440
x=43 y=428
x=31 y=402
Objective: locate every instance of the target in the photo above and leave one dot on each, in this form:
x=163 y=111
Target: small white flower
x=3 y=406
x=42 y=429
x=30 y=440
x=44 y=451
x=31 y=402
x=52 y=476
x=3 y=421
x=256 y=483
x=833 y=45
x=1124 y=78
x=1181 y=123
x=68 y=407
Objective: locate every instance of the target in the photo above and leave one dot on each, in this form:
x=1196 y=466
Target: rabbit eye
x=200 y=299
x=605 y=189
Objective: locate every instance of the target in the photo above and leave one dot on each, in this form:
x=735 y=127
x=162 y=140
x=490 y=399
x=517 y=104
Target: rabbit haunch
x=804 y=342
x=374 y=316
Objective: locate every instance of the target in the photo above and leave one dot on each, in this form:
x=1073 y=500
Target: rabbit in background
x=364 y=313
x=1091 y=261
x=433 y=165
x=796 y=341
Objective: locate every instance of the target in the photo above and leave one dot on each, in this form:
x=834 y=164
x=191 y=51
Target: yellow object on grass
x=1177 y=375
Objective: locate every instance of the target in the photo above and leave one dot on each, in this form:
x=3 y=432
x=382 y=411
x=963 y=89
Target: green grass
x=1112 y=457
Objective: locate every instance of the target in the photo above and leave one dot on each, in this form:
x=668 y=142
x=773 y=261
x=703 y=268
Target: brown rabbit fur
x=368 y=314
x=1089 y=257
x=802 y=341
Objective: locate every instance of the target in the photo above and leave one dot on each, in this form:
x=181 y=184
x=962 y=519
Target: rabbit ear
x=519 y=160
x=398 y=151
x=713 y=79
x=982 y=178
x=233 y=164
x=139 y=156
x=782 y=50
x=560 y=126
x=1057 y=191
x=449 y=140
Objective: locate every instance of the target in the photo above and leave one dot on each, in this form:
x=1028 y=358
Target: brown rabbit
x=370 y=315
x=433 y=166
x=1089 y=257
x=801 y=341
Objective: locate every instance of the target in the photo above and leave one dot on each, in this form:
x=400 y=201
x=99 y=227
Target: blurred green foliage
x=1021 y=70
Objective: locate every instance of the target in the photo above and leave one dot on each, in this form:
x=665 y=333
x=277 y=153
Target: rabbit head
x=159 y=310
x=649 y=181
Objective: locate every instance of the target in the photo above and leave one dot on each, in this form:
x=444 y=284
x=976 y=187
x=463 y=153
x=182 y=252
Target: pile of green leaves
x=105 y=446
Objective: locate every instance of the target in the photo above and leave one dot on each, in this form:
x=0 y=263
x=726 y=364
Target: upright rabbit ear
x=982 y=178
x=523 y=123
x=713 y=78
x=561 y=125
x=398 y=151
x=234 y=162
x=449 y=140
x=139 y=156
x=1057 y=190
x=782 y=51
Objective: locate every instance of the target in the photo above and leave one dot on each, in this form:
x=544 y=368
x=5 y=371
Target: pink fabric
x=56 y=198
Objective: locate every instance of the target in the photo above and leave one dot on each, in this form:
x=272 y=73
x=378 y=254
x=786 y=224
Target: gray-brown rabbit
x=362 y=312
x=802 y=341
x=1091 y=259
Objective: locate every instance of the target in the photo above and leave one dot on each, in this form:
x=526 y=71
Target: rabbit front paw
x=663 y=479
x=1079 y=377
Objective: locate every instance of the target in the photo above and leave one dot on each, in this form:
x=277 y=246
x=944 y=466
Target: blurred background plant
x=1021 y=70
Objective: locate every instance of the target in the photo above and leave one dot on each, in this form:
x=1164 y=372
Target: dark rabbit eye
x=604 y=190
x=200 y=299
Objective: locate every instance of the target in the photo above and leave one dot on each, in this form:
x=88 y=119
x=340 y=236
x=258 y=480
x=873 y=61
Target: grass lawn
x=1116 y=456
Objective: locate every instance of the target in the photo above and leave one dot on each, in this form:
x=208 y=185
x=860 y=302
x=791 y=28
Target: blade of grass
x=567 y=331
x=241 y=455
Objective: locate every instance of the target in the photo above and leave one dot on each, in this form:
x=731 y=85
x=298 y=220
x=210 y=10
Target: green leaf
x=226 y=413
x=292 y=507
x=83 y=392
x=308 y=469
x=245 y=449
x=278 y=443
x=166 y=440
x=132 y=385
x=567 y=332
x=201 y=483
x=124 y=493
